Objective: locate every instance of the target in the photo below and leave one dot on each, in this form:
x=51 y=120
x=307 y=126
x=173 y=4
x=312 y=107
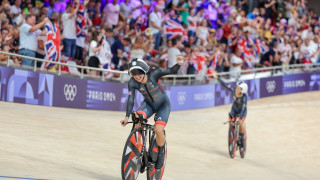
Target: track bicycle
x=234 y=141
x=136 y=157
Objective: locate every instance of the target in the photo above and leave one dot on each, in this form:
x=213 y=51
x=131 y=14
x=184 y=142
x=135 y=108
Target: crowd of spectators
x=220 y=35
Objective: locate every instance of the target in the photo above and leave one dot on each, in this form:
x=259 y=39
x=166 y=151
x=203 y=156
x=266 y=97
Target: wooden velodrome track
x=38 y=142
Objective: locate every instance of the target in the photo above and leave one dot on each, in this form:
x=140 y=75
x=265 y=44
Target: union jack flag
x=245 y=45
x=261 y=46
x=52 y=44
x=174 y=29
x=198 y=64
x=81 y=23
x=213 y=63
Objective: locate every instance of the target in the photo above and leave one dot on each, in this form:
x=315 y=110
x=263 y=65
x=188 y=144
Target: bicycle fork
x=237 y=135
x=144 y=145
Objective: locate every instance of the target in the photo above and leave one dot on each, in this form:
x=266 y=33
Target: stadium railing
x=190 y=79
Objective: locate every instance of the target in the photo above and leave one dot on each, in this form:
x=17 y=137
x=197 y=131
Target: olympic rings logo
x=70 y=91
x=271 y=86
x=181 y=96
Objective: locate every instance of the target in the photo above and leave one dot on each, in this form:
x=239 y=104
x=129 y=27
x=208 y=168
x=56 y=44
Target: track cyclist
x=156 y=99
x=239 y=106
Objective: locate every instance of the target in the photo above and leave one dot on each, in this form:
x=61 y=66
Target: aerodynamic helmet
x=138 y=65
x=243 y=86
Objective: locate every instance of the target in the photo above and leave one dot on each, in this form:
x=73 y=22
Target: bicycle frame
x=138 y=155
x=145 y=129
x=235 y=142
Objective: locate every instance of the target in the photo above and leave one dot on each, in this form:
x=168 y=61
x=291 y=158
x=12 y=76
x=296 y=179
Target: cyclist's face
x=138 y=77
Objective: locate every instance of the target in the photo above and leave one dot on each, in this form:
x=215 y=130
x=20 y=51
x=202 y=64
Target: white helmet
x=243 y=86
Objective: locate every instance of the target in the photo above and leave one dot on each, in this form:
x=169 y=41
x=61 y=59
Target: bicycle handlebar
x=230 y=121
x=139 y=119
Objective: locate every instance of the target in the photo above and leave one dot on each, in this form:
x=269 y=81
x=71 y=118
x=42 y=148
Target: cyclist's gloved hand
x=125 y=121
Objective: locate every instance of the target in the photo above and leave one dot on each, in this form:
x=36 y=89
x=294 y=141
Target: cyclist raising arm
x=239 y=106
x=156 y=99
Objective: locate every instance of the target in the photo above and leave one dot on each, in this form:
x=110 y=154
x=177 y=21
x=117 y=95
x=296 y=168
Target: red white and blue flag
x=174 y=29
x=246 y=46
x=69 y=69
x=81 y=23
x=52 y=44
x=261 y=47
x=213 y=63
x=198 y=64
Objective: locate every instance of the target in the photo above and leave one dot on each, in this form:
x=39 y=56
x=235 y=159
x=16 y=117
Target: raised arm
x=224 y=84
x=173 y=70
x=215 y=75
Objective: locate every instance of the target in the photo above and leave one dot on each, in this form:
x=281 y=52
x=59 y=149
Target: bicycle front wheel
x=131 y=157
x=153 y=173
x=232 y=142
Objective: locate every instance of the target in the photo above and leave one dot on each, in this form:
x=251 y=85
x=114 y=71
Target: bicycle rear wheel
x=232 y=142
x=243 y=148
x=152 y=173
x=130 y=164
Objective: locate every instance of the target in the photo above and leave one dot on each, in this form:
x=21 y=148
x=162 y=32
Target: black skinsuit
x=239 y=107
x=156 y=99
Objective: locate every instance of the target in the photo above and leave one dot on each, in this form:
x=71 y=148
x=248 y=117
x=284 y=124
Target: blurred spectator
x=212 y=14
x=108 y=36
x=125 y=10
x=117 y=49
x=136 y=8
x=276 y=58
x=285 y=51
x=173 y=52
x=202 y=33
x=111 y=13
x=51 y=8
x=138 y=48
x=4 y=57
x=81 y=38
x=268 y=58
x=29 y=32
x=7 y=11
x=235 y=64
x=15 y=10
x=69 y=30
x=309 y=51
x=182 y=7
x=40 y=52
x=163 y=64
x=192 y=23
x=95 y=45
x=155 y=22
x=223 y=63
x=184 y=67
x=307 y=33
x=269 y=6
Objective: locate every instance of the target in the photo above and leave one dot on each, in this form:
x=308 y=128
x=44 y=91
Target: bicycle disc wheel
x=130 y=164
x=152 y=173
x=243 y=149
x=232 y=142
